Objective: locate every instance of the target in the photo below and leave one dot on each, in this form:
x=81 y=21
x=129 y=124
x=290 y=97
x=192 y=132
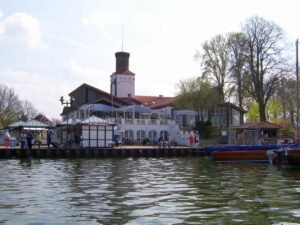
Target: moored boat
x=237 y=155
x=249 y=153
x=293 y=157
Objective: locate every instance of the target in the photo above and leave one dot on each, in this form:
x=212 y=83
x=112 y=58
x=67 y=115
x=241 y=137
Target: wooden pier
x=131 y=151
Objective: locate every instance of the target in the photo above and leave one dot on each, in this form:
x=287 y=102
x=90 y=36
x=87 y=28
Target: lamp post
x=67 y=103
x=113 y=82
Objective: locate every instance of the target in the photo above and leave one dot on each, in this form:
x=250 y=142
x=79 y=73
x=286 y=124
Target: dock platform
x=124 y=151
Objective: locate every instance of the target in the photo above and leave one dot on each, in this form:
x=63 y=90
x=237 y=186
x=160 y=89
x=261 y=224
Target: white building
x=137 y=117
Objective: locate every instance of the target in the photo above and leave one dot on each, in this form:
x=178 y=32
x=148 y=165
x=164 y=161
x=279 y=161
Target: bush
x=204 y=129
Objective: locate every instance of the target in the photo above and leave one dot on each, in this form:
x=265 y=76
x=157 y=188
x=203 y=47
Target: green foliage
x=273 y=110
x=204 y=128
x=253 y=112
x=195 y=94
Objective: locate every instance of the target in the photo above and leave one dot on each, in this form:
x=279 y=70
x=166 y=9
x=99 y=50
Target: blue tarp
x=102 y=108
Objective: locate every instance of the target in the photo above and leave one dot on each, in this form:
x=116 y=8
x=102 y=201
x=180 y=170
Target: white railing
x=141 y=121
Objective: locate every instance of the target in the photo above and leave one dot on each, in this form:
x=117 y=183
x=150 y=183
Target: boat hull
x=250 y=156
x=293 y=157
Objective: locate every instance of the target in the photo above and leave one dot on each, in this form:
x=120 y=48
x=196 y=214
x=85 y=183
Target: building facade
x=140 y=117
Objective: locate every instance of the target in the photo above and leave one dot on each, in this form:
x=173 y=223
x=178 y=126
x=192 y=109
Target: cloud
x=1 y=13
x=41 y=90
x=69 y=41
x=22 y=27
x=100 y=20
x=78 y=74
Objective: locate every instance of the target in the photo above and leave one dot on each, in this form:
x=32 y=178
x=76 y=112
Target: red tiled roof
x=259 y=125
x=42 y=118
x=155 y=102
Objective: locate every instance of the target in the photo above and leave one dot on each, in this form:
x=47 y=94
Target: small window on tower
x=129 y=95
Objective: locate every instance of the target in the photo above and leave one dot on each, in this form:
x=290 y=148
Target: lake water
x=147 y=191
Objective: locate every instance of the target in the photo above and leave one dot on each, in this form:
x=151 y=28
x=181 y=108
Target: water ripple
x=146 y=191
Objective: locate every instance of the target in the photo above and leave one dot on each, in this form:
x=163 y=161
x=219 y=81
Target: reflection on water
x=147 y=191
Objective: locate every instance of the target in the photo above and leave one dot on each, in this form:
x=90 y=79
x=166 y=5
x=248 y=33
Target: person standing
x=38 y=138
x=6 y=138
x=197 y=143
x=53 y=139
x=48 y=138
x=22 y=139
x=116 y=140
x=81 y=145
x=29 y=139
x=191 y=139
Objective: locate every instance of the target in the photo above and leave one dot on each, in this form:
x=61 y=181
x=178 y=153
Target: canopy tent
x=95 y=131
x=70 y=121
x=32 y=124
x=17 y=124
x=94 y=120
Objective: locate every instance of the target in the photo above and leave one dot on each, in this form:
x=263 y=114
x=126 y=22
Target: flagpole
x=297 y=98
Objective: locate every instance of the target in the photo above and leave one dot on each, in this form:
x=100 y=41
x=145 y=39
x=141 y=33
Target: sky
x=50 y=47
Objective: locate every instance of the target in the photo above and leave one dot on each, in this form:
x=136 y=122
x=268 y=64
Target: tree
x=264 y=63
x=286 y=94
x=12 y=108
x=237 y=60
x=215 y=62
x=195 y=94
x=9 y=102
x=26 y=111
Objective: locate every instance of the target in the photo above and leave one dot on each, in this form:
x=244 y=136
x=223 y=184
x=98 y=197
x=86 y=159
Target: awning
x=134 y=108
x=185 y=112
x=98 y=108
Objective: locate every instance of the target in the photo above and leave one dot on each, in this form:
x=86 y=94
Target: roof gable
x=155 y=102
x=259 y=125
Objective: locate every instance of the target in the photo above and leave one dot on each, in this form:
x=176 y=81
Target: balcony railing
x=141 y=121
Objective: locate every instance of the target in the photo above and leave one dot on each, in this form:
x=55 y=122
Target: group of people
x=26 y=138
x=164 y=141
x=78 y=140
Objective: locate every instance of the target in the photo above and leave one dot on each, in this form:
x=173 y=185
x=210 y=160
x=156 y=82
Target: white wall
x=125 y=85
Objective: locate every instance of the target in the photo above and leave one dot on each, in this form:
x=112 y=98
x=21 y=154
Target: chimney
x=122 y=62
